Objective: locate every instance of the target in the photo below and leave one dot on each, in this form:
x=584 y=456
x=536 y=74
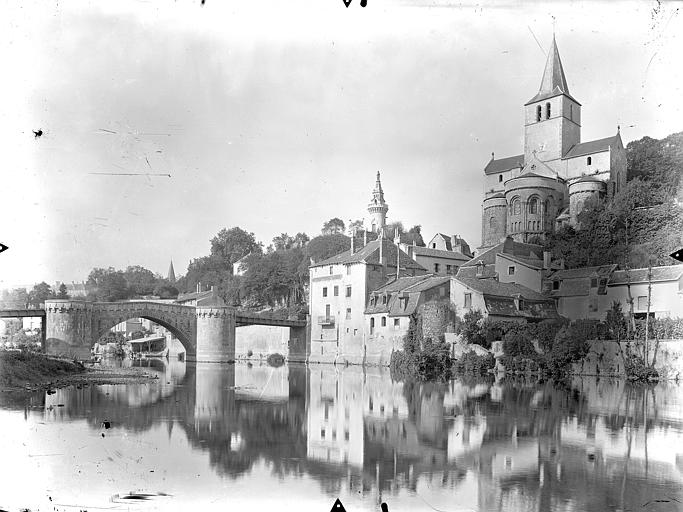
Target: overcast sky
x=275 y=115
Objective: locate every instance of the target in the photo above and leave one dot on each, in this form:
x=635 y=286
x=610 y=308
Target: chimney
x=480 y=268
x=312 y=261
x=397 y=240
x=213 y=288
x=508 y=245
x=546 y=260
x=353 y=242
x=365 y=237
x=199 y=287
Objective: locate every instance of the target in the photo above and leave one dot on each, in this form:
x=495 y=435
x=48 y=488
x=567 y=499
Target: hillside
x=642 y=222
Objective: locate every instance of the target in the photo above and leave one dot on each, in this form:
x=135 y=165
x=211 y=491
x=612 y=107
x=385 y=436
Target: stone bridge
x=206 y=333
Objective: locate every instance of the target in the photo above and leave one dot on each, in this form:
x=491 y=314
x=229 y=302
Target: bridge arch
x=178 y=319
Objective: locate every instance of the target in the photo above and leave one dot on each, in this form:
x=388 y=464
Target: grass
x=19 y=369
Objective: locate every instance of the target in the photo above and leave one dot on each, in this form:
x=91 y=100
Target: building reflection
x=587 y=445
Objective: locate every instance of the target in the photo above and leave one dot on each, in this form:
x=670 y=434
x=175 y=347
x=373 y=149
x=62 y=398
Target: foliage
x=137 y=335
x=17 y=295
x=615 y=322
x=62 y=294
x=333 y=226
x=229 y=245
x=569 y=347
x=471 y=362
x=276 y=360
x=109 y=284
x=516 y=343
x=39 y=293
x=325 y=246
x=26 y=341
x=165 y=290
x=636 y=369
x=660 y=328
x=140 y=281
x=640 y=222
x=424 y=359
x=471 y=328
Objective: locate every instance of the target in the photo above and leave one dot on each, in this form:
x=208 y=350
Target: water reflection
x=464 y=445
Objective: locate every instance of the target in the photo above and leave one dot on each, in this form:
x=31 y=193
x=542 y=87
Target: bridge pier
x=216 y=334
x=300 y=342
x=68 y=328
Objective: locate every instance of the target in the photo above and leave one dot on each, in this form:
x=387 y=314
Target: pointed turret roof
x=171 y=273
x=553 y=82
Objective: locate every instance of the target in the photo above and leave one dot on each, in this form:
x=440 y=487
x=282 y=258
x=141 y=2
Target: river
x=254 y=437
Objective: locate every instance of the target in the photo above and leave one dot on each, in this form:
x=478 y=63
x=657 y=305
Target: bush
x=636 y=369
x=276 y=360
x=250 y=353
x=471 y=328
x=522 y=364
x=470 y=362
x=570 y=346
x=431 y=362
x=516 y=343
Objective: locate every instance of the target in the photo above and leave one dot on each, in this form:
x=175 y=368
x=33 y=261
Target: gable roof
x=493 y=288
x=440 y=253
x=593 y=146
x=583 y=272
x=408 y=288
x=504 y=164
x=575 y=282
x=369 y=254
x=530 y=251
x=639 y=275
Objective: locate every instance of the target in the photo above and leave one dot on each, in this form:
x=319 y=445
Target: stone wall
x=261 y=340
x=604 y=359
x=437 y=319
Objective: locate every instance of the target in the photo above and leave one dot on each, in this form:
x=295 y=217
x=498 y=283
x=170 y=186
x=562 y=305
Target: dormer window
x=539 y=112
x=521 y=304
x=556 y=285
x=547 y=110
x=594 y=282
x=384 y=299
x=589 y=161
x=500 y=178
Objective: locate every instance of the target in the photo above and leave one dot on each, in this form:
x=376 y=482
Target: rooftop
x=504 y=164
x=369 y=254
x=639 y=275
x=531 y=252
x=593 y=146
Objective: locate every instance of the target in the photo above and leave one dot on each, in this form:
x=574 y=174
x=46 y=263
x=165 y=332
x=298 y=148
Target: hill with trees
x=642 y=223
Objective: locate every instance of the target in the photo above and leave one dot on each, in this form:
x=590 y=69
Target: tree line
x=642 y=223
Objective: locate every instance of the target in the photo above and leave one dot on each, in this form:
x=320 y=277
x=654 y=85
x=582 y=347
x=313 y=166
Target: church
x=545 y=188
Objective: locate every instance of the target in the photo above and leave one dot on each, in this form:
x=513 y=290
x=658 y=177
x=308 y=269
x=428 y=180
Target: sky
x=275 y=116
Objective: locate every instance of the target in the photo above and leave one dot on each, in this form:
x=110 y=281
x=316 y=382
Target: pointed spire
x=553 y=75
x=171 y=273
x=554 y=81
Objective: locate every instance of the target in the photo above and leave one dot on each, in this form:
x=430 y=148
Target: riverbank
x=29 y=371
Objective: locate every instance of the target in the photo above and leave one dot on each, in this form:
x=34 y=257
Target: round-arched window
x=492 y=222
x=516 y=206
x=533 y=205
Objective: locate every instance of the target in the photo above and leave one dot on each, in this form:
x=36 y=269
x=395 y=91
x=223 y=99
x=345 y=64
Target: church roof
x=530 y=253
x=593 y=146
x=553 y=82
x=504 y=164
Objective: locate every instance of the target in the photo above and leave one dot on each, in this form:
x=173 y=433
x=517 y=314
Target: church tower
x=171 y=273
x=378 y=208
x=552 y=118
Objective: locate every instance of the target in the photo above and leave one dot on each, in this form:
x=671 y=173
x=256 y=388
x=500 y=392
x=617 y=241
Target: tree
x=109 y=285
x=333 y=226
x=283 y=242
x=140 y=280
x=62 y=292
x=355 y=226
x=165 y=290
x=300 y=240
x=232 y=244
x=326 y=246
x=39 y=294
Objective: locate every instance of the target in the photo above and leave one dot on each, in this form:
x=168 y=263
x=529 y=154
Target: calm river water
x=241 y=437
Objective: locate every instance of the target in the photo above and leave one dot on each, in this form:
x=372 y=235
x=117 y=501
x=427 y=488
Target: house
x=512 y=262
x=443 y=255
x=340 y=287
x=200 y=298
x=589 y=292
x=239 y=268
x=73 y=289
x=499 y=300
x=390 y=307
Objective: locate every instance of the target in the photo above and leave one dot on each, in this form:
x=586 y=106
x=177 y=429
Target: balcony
x=326 y=320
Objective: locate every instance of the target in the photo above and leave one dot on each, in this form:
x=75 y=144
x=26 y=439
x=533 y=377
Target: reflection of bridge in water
x=359 y=430
x=70 y=327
